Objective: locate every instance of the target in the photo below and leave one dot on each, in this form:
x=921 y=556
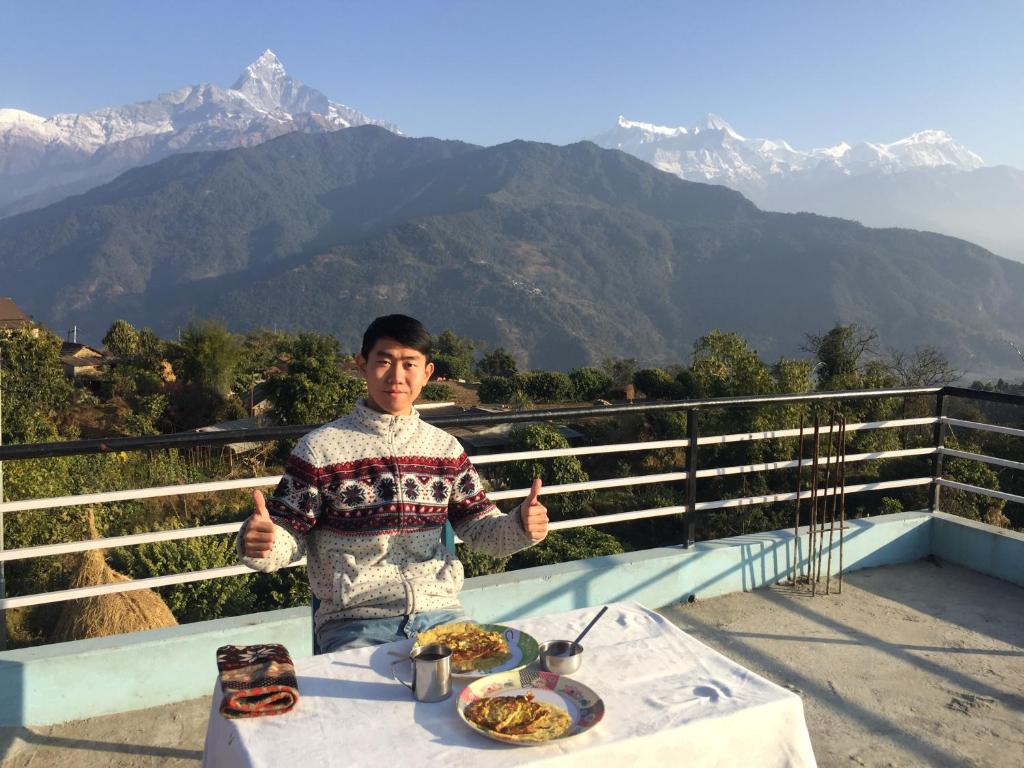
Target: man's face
x=394 y=376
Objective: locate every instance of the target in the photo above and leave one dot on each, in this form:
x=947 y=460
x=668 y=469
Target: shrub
x=590 y=383
x=656 y=384
x=436 y=391
x=548 y=386
x=500 y=389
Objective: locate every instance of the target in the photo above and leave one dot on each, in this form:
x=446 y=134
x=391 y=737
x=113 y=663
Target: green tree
x=971 y=505
x=620 y=370
x=793 y=376
x=209 y=354
x=548 y=386
x=656 y=384
x=452 y=355
x=122 y=340
x=590 y=383
x=500 y=389
x=151 y=350
x=36 y=395
x=841 y=354
x=725 y=365
x=436 y=391
x=315 y=389
x=556 y=471
x=498 y=362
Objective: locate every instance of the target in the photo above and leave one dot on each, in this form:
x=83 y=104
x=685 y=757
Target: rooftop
x=11 y=315
x=914 y=664
x=918 y=661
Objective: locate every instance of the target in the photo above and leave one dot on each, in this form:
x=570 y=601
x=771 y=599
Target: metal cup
x=561 y=656
x=431 y=672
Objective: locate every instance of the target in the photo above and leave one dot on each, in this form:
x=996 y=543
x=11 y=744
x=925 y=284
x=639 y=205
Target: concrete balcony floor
x=914 y=664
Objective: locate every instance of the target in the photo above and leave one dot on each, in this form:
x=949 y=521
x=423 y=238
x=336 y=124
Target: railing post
x=939 y=440
x=692 y=432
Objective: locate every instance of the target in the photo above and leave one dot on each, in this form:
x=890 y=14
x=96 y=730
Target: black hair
x=407 y=331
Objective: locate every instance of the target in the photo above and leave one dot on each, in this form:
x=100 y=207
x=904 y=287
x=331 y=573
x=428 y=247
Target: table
x=669 y=699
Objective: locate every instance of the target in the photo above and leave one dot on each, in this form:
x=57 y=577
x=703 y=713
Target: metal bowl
x=562 y=657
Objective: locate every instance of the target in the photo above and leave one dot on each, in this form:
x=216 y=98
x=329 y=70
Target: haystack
x=111 y=614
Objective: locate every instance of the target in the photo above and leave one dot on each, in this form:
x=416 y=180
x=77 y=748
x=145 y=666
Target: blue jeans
x=345 y=634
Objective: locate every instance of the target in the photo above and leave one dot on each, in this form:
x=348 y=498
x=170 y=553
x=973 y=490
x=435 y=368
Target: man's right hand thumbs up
x=259 y=530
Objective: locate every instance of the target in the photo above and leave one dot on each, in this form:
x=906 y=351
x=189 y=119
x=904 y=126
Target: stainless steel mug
x=431 y=672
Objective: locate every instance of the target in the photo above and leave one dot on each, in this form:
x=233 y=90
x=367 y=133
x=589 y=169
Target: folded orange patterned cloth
x=256 y=680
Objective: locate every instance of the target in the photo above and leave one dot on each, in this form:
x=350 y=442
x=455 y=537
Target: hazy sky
x=814 y=73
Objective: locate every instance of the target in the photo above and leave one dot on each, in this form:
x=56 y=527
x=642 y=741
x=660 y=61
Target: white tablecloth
x=669 y=700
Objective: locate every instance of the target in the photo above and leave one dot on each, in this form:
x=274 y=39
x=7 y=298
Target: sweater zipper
x=409 y=591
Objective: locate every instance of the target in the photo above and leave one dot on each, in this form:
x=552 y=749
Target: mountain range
x=561 y=254
x=924 y=181
x=43 y=160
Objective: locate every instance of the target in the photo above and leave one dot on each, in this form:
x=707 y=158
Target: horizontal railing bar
x=48 y=550
x=739 y=437
x=128 y=586
x=776 y=497
x=264 y=434
x=982 y=394
x=616 y=482
x=983 y=458
x=587 y=450
x=618 y=517
x=983 y=427
x=852 y=458
x=983 y=491
x=138 y=493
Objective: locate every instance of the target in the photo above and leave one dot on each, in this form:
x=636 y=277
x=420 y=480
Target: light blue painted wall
x=992 y=551
x=87 y=678
x=658 y=577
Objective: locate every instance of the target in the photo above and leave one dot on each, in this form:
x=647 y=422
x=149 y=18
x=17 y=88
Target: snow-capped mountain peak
x=267 y=68
x=37 y=153
x=712 y=150
x=713 y=122
x=19 y=117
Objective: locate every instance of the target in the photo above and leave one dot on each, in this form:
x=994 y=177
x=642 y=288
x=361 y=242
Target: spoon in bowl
x=586 y=629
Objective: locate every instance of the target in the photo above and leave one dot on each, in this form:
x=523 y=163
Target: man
x=365 y=498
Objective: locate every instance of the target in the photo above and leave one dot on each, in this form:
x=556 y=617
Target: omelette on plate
x=519 y=718
x=474 y=648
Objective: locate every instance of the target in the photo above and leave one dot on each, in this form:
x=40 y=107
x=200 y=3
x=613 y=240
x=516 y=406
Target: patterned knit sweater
x=364 y=498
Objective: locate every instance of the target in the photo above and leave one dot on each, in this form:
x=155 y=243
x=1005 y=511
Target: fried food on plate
x=519 y=717
x=473 y=647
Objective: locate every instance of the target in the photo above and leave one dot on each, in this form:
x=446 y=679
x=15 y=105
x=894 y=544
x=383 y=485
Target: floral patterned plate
x=585 y=707
x=522 y=647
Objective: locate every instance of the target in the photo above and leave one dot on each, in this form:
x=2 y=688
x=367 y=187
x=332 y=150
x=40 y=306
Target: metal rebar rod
x=820 y=536
x=796 y=511
x=832 y=516
x=842 y=500
x=814 y=498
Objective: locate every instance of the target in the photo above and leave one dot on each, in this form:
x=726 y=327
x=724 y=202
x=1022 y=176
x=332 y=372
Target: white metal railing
x=262 y=482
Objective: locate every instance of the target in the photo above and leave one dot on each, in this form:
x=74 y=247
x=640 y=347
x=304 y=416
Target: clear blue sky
x=814 y=73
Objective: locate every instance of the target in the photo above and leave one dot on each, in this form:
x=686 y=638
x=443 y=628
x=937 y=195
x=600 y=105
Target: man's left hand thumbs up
x=535 y=514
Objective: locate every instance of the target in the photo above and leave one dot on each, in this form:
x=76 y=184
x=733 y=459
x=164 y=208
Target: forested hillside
x=563 y=255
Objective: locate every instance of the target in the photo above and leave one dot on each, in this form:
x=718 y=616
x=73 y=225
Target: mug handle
x=395 y=674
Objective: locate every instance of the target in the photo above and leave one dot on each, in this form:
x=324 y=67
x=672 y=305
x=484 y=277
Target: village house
x=81 y=361
x=12 y=318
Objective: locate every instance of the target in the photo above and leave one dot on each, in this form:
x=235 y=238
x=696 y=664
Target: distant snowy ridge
x=713 y=150
x=39 y=156
x=925 y=181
